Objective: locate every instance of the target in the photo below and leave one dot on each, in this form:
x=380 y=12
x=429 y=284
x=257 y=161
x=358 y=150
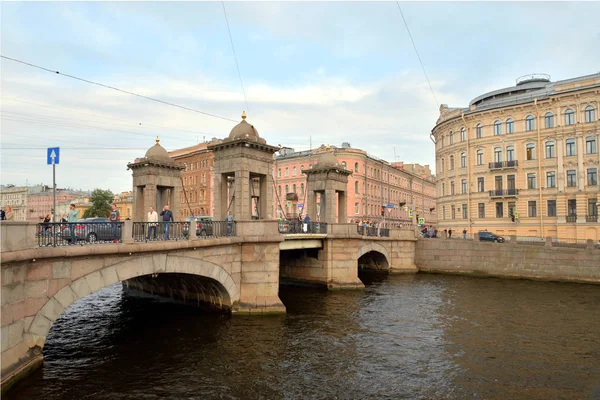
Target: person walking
x=2 y=215
x=115 y=217
x=306 y=223
x=167 y=217
x=465 y=233
x=450 y=233
x=229 y=220
x=153 y=222
x=445 y=233
x=72 y=221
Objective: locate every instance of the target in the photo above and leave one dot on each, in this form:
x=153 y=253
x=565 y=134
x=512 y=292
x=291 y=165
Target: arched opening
x=372 y=266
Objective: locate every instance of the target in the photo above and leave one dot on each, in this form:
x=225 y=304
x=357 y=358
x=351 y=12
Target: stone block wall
x=508 y=260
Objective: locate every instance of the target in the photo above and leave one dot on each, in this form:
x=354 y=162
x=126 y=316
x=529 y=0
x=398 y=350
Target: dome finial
x=157 y=140
x=327 y=148
x=244 y=115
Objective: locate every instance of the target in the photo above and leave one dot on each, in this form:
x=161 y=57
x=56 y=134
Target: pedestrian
x=306 y=223
x=8 y=214
x=167 y=217
x=445 y=233
x=115 y=217
x=465 y=233
x=2 y=215
x=229 y=220
x=152 y=222
x=46 y=222
x=72 y=221
x=450 y=233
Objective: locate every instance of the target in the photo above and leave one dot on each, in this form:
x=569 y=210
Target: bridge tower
x=156 y=182
x=330 y=181
x=243 y=174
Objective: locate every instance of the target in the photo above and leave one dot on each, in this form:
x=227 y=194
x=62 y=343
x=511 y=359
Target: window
x=344 y=164
x=510 y=126
x=463 y=134
x=481 y=210
x=590 y=145
x=572 y=208
x=592 y=176
x=532 y=208
x=510 y=153
x=463 y=186
x=443 y=212
x=279 y=190
x=550 y=150
x=552 y=208
x=355 y=167
x=294 y=188
x=451 y=138
x=480 y=184
x=356 y=209
x=530 y=181
x=302 y=168
x=287 y=189
x=549 y=120
x=479 y=157
x=451 y=163
x=443 y=189
x=356 y=187
x=589 y=114
x=479 y=131
x=571 y=178
x=498 y=154
x=529 y=123
x=279 y=173
x=571 y=147
x=498 y=181
x=510 y=182
x=550 y=179
x=294 y=171
x=442 y=166
x=464 y=211
x=463 y=160
x=302 y=189
x=500 y=210
x=451 y=187
x=593 y=207
x=453 y=209
x=497 y=128
x=530 y=151
x=569 y=117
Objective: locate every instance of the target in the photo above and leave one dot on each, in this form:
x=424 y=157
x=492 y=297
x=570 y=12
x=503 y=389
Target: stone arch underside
x=221 y=286
x=373 y=256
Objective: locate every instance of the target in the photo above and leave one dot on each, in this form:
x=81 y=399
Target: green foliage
x=101 y=200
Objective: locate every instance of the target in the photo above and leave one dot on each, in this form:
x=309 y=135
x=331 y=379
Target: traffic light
x=382 y=211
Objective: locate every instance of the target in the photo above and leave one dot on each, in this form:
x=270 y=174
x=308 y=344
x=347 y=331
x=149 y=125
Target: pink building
x=373 y=185
x=40 y=201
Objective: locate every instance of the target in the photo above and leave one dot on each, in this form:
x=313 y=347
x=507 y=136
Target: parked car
x=485 y=236
x=204 y=226
x=92 y=230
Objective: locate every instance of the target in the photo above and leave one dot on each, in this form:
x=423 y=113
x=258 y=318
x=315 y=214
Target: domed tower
x=243 y=167
x=328 y=180
x=156 y=182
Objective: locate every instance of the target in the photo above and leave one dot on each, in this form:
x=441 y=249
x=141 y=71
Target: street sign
x=390 y=205
x=421 y=221
x=289 y=203
x=300 y=205
x=53 y=155
x=410 y=214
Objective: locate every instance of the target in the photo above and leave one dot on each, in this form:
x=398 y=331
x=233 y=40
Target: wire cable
x=117 y=89
x=235 y=56
x=418 y=56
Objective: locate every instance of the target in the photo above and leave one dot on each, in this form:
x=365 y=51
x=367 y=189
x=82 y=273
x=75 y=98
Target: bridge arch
x=121 y=271
x=374 y=256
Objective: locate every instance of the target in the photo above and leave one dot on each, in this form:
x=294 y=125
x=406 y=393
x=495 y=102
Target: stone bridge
x=239 y=274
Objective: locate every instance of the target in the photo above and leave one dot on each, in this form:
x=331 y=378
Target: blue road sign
x=300 y=205
x=390 y=205
x=53 y=155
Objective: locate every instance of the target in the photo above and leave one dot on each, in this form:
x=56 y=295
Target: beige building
x=522 y=160
x=16 y=198
x=124 y=203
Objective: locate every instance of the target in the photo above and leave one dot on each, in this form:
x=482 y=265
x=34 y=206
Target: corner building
x=522 y=160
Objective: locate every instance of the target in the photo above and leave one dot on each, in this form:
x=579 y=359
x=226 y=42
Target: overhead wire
x=235 y=55
x=418 y=56
x=117 y=89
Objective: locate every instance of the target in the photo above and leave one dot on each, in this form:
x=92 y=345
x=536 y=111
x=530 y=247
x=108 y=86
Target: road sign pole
x=54 y=192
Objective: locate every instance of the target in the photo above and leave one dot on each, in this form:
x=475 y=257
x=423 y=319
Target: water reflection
x=408 y=336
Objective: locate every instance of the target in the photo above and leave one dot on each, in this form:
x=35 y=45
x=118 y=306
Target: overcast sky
x=333 y=72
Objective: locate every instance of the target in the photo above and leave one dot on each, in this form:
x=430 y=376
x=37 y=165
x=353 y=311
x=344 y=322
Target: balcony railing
x=504 y=193
x=571 y=218
x=301 y=227
x=591 y=218
x=504 y=164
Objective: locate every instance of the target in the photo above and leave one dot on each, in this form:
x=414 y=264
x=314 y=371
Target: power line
x=118 y=90
x=418 y=56
x=235 y=56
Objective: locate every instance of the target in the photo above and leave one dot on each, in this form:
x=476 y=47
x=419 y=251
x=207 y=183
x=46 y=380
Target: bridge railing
x=372 y=231
x=180 y=230
x=290 y=227
x=50 y=234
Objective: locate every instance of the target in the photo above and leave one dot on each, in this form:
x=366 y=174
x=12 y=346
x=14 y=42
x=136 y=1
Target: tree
x=101 y=200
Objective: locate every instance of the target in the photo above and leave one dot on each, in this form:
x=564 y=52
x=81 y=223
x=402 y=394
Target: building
x=373 y=185
x=16 y=198
x=40 y=201
x=124 y=203
x=198 y=180
x=522 y=160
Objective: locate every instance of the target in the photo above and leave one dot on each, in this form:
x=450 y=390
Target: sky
x=313 y=72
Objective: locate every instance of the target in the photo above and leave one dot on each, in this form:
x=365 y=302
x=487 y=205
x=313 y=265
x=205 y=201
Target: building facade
x=373 y=185
x=197 y=194
x=40 y=201
x=16 y=198
x=522 y=160
x=124 y=203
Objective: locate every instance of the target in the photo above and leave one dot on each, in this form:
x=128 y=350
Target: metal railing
x=569 y=242
x=571 y=218
x=503 y=164
x=591 y=218
x=531 y=240
x=81 y=233
x=290 y=227
x=369 y=230
x=179 y=230
x=503 y=192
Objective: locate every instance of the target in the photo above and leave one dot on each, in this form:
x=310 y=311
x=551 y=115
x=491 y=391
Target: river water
x=403 y=337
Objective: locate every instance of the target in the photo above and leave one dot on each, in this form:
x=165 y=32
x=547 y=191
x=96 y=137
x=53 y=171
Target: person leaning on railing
x=167 y=217
x=72 y=221
x=152 y=222
x=115 y=217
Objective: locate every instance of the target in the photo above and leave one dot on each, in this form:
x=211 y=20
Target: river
x=403 y=337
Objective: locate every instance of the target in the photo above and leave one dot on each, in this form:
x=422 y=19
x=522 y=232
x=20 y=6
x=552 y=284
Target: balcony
x=591 y=218
x=571 y=218
x=503 y=164
x=503 y=193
